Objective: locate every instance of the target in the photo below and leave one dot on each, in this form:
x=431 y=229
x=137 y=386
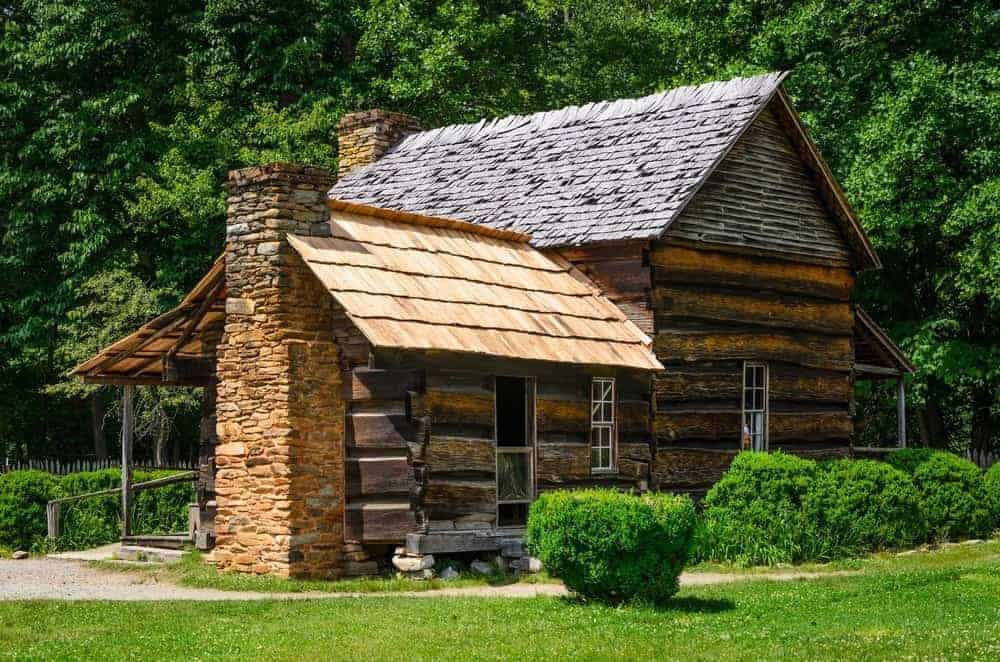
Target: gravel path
x=62 y=579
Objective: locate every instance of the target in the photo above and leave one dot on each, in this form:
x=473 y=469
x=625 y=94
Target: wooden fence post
x=128 y=392
x=52 y=515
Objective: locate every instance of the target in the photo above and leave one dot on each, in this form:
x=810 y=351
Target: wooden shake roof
x=430 y=284
x=609 y=171
x=147 y=355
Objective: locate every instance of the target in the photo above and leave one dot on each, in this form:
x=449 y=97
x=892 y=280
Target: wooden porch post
x=128 y=427
x=901 y=410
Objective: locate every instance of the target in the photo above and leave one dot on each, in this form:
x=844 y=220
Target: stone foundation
x=280 y=411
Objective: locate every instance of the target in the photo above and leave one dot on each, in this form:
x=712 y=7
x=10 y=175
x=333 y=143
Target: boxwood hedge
x=612 y=546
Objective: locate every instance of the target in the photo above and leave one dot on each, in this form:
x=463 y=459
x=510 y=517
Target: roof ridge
x=761 y=85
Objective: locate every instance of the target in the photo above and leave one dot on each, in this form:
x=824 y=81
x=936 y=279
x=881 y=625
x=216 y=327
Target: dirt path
x=62 y=579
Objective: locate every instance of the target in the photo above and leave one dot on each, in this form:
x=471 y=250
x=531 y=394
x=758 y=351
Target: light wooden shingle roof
x=427 y=284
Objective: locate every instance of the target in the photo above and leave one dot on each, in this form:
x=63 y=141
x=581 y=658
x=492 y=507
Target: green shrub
x=613 y=546
x=91 y=521
x=992 y=482
x=952 y=491
x=953 y=497
x=754 y=515
x=859 y=506
x=908 y=459
x=23 y=495
x=98 y=520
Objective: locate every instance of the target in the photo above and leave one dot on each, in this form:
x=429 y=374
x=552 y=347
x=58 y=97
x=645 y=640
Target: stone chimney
x=364 y=137
x=280 y=411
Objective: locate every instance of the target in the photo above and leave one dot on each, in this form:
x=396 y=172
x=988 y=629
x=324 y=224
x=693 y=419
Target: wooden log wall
x=461 y=451
x=621 y=270
x=563 y=434
x=386 y=436
x=715 y=310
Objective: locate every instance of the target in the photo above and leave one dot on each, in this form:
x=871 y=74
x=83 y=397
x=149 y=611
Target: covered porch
x=877 y=358
x=175 y=349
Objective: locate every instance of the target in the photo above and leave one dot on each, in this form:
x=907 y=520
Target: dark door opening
x=515 y=432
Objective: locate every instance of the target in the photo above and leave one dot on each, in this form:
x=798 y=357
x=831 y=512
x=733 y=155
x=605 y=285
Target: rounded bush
x=23 y=495
x=859 y=506
x=908 y=459
x=953 y=497
x=612 y=546
x=992 y=483
x=754 y=515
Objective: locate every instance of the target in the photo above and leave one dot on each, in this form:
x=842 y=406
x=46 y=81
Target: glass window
x=754 y=435
x=602 y=424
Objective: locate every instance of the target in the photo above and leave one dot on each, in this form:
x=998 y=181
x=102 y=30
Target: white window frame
x=758 y=438
x=602 y=423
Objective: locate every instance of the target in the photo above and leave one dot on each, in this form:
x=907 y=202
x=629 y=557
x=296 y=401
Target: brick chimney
x=280 y=413
x=364 y=137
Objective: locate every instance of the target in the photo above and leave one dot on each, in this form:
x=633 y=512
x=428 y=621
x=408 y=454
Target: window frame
x=765 y=410
x=607 y=425
x=529 y=449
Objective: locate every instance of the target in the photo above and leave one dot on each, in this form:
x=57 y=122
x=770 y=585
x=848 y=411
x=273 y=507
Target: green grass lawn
x=942 y=605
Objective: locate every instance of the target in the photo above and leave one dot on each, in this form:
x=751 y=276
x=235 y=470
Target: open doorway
x=515 y=435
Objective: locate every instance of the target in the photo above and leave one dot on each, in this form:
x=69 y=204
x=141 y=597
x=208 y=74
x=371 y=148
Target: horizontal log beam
x=810 y=350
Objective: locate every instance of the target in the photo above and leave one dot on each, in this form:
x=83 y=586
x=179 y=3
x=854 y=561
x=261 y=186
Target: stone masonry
x=280 y=409
x=362 y=138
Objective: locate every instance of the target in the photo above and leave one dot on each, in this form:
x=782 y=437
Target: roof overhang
x=174 y=349
x=876 y=356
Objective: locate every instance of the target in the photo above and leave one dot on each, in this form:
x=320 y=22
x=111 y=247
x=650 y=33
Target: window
x=754 y=435
x=602 y=424
x=515 y=432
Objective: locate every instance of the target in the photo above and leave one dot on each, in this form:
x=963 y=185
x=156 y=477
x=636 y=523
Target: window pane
x=595 y=457
x=513 y=476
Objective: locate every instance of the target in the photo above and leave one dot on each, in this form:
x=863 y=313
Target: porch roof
x=422 y=283
x=171 y=350
x=875 y=355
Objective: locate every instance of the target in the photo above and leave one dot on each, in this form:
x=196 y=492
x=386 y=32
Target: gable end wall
x=762 y=197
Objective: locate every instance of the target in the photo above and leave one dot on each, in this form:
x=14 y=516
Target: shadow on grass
x=688 y=605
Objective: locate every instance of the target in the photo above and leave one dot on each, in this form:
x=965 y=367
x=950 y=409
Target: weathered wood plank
x=688 y=468
x=457 y=542
x=788 y=383
x=448 y=499
x=633 y=416
x=379 y=522
x=828 y=352
x=375 y=476
x=681 y=264
x=459 y=408
x=460 y=454
x=378 y=430
x=676 y=428
x=672 y=386
x=774 y=311
x=372 y=384
x=637 y=452
x=562 y=416
x=818 y=426
x=560 y=462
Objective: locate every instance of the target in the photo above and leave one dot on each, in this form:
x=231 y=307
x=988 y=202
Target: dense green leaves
x=612 y=546
x=118 y=122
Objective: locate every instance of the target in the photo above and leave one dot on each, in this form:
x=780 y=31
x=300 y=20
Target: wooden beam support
x=874 y=370
x=901 y=411
x=199 y=314
x=128 y=429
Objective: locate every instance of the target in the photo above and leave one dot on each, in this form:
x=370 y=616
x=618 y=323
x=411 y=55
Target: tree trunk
x=932 y=430
x=162 y=434
x=97 y=411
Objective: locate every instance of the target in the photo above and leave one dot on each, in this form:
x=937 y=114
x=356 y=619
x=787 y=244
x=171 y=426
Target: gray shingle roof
x=604 y=171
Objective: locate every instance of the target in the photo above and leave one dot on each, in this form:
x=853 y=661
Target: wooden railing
x=52 y=508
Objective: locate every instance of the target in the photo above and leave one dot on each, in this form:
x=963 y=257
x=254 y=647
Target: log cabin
x=623 y=294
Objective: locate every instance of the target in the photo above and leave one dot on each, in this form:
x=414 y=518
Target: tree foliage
x=118 y=122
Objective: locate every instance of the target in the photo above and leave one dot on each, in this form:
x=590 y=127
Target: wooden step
x=168 y=541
